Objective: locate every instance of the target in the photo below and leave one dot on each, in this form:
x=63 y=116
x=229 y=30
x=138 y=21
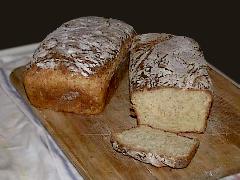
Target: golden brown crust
x=63 y=91
x=158 y=160
x=116 y=79
x=78 y=79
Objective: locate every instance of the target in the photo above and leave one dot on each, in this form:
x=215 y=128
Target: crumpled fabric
x=27 y=151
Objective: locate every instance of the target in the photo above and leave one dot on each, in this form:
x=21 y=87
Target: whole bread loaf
x=77 y=67
x=169 y=84
x=155 y=147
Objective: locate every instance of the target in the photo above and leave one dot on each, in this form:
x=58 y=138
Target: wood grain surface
x=86 y=139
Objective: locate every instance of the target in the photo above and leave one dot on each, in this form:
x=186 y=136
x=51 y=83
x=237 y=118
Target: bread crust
x=165 y=60
x=158 y=160
x=76 y=75
x=154 y=64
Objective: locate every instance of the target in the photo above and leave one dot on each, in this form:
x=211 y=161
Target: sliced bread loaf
x=155 y=147
x=169 y=84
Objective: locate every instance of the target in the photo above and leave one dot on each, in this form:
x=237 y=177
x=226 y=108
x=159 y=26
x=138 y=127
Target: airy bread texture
x=77 y=67
x=155 y=147
x=169 y=84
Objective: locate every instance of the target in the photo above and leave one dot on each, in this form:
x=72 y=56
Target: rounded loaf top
x=165 y=60
x=82 y=45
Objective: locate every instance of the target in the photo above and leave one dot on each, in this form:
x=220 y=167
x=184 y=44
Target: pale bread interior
x=172 y=109
x=155 y=141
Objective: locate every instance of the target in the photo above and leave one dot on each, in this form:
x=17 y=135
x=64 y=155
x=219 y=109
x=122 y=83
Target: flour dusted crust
x=78 y=66
x=149 y=158
x=82 y=45
x=164 y=60
x=163 y=66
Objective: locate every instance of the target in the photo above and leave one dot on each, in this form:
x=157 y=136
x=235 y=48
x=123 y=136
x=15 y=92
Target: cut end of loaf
x=172 y=109
x=155 y=147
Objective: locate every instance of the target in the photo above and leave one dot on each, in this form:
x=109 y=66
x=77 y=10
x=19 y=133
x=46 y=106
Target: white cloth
x=27 y=151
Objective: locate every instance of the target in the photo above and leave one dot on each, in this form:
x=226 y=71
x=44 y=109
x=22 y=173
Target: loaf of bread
x=77 y=67
x=155 y=147
x=170 y=87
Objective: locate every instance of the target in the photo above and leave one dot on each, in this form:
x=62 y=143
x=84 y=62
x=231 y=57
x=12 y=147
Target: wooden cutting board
x=86 y=139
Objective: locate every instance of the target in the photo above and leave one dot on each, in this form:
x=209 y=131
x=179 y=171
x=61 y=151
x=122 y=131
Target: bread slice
x=155 y=147
x=169 y=84
x=78 y=66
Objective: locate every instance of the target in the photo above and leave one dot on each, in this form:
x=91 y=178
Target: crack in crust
x=159 y=60
x=82 y=45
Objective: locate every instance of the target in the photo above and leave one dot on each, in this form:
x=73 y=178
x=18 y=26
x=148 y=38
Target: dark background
x=215 y=26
